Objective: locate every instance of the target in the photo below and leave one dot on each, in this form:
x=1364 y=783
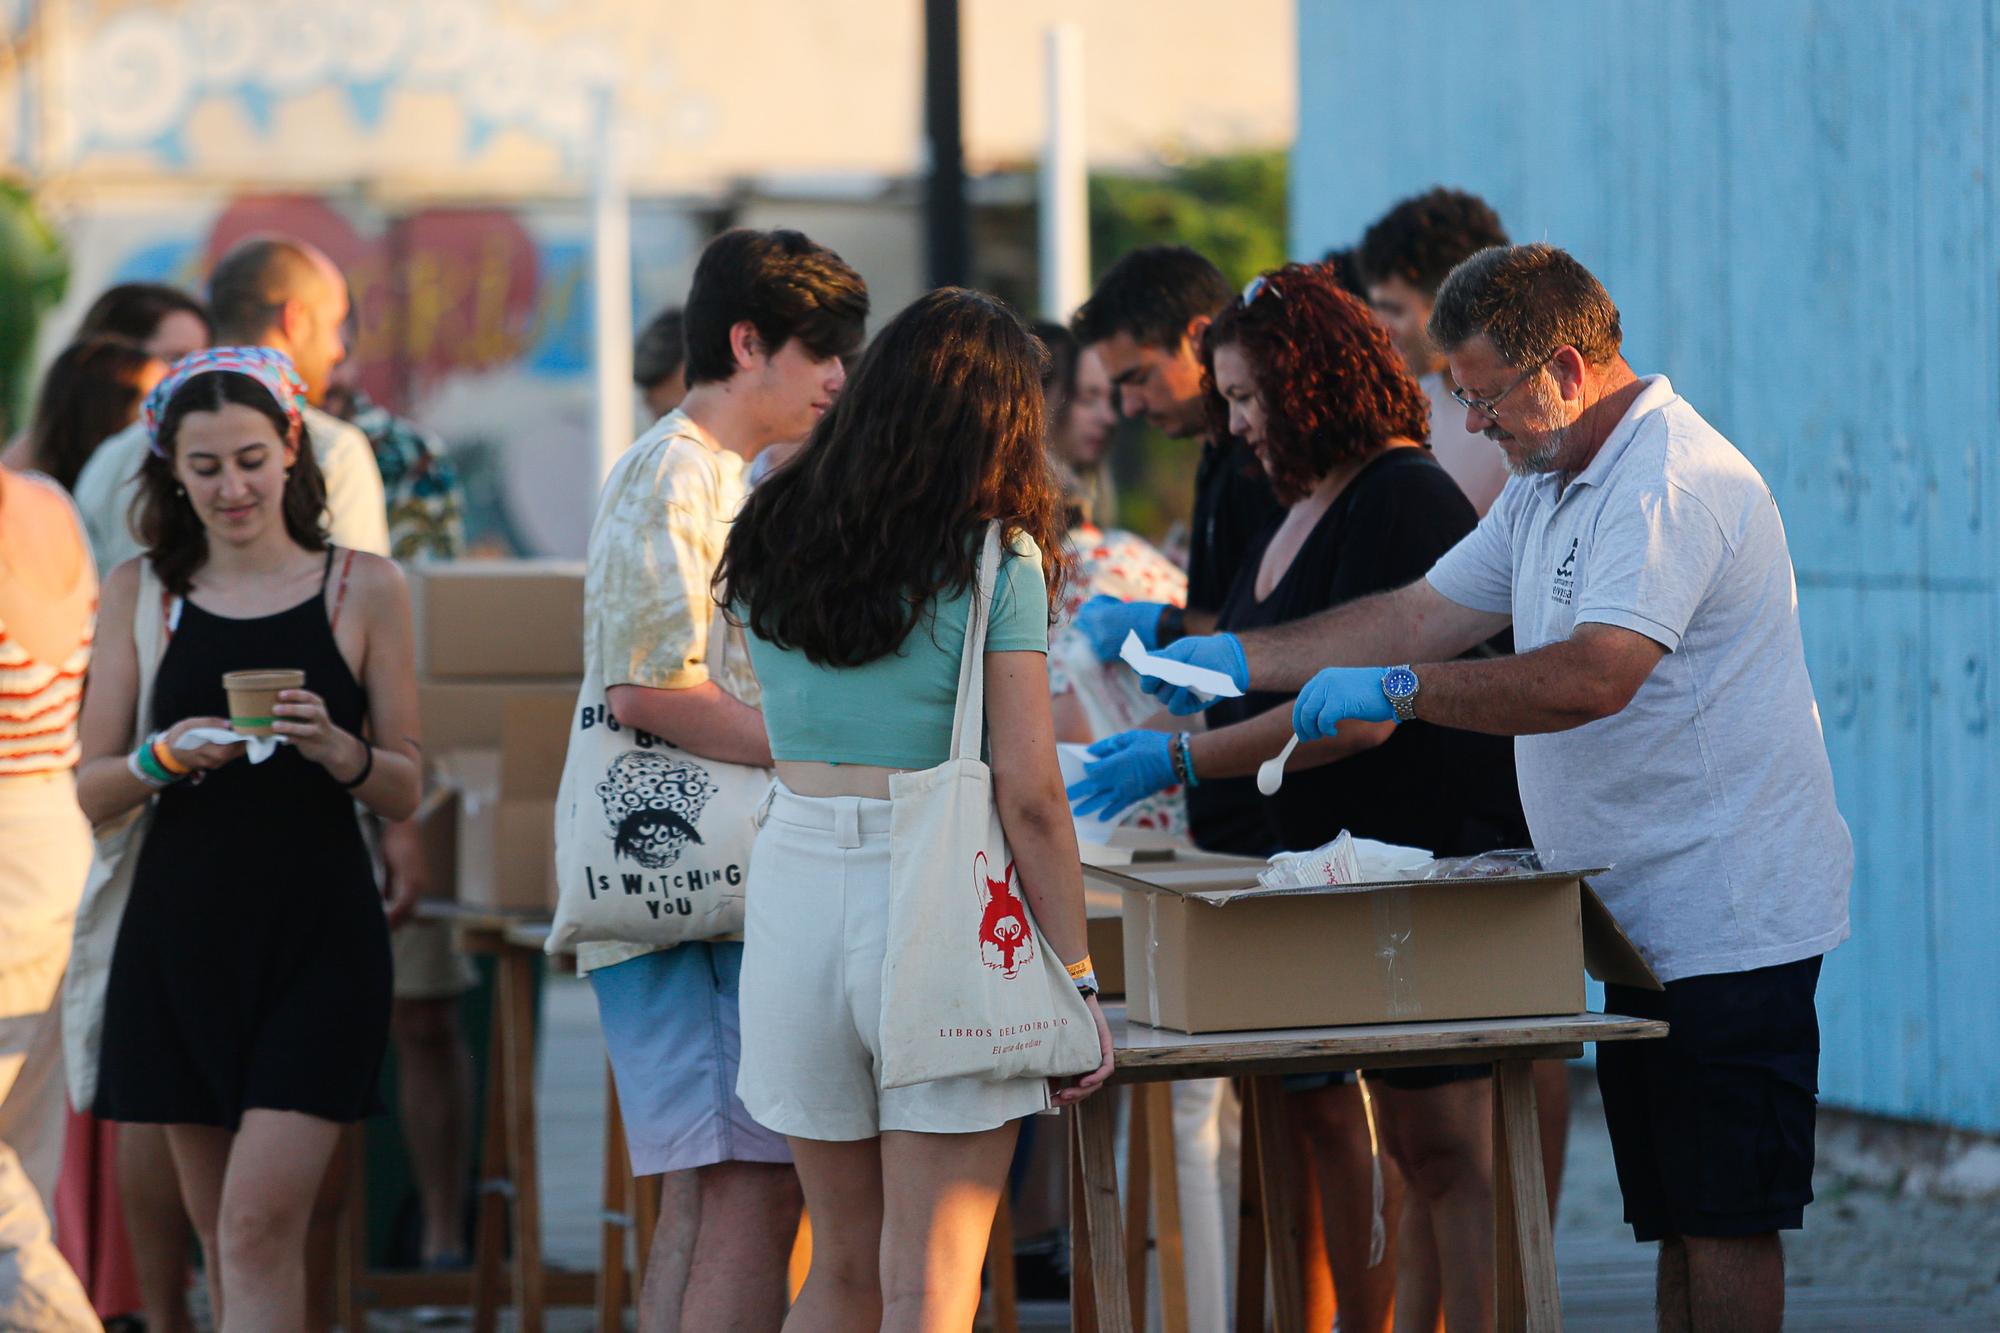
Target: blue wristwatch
x=1400 y=685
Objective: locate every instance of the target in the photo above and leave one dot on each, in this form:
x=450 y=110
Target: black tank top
x=1449 y=792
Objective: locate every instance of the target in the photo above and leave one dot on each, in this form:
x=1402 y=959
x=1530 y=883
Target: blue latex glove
x=1130 y=767
x=1105 y=620
x=1336 y=694
x=1217 y=652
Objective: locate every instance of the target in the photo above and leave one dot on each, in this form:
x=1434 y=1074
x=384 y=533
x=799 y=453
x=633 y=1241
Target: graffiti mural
x=473 y=319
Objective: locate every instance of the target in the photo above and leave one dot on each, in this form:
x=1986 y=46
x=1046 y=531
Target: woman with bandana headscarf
x=247 y=1005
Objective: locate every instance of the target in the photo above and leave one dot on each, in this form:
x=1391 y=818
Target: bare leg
x=1335 y=1122
x=1313 y=1267
x=1736 y=1284
x=1442 y=1139
x=749 y=1214
x=323 y=1244
x=277 y=1163
x=1670 y=1292
x=434 y=1074
x=843 y=1189
x=938 y=1196
x=201 y=1160
x=672 y=1253
x=1552 y=1112
x=156 y=1225
x=1419 y=1307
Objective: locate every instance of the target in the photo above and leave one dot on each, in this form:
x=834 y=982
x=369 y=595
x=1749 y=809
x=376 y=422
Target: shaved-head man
x=268 y=291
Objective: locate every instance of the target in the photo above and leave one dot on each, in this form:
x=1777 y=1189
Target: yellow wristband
x=1081 y=969
x=168 y=760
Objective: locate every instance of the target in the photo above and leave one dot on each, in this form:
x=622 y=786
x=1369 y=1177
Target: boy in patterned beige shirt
x=768 y=318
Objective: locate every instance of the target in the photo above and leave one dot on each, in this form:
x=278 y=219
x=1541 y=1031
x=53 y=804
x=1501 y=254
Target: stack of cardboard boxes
x=499 y=664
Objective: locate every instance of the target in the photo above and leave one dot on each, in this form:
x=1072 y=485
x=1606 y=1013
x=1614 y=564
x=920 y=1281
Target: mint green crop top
x=896 y=711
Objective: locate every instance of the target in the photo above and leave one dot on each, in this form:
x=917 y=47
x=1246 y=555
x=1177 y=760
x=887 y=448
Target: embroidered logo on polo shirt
x=1563 y=587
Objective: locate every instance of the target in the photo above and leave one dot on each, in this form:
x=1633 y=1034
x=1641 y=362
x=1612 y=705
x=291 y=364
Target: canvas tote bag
x=114 y=857
x=652 y=842
x=970 y=986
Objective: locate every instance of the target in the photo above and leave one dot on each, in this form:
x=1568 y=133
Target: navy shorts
x=1712 y=1126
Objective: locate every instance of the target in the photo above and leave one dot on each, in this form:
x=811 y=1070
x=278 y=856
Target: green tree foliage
x=34 y=271
x=1230 y=208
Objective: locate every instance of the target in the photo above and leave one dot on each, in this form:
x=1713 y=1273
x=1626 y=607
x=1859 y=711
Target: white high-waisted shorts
x=816 y=927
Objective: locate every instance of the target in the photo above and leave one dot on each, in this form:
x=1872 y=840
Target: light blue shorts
x=670 y=1025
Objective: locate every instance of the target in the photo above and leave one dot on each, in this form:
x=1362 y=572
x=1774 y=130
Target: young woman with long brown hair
x=247 y=1003
x=854 y=569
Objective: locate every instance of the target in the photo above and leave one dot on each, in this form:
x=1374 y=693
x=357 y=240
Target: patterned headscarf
x=268 y=366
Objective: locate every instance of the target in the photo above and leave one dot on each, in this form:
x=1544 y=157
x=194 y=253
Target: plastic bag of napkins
x=1345 y=860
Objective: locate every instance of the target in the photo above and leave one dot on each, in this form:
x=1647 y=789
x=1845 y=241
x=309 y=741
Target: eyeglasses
x=1485 y=406
x=1257 y=286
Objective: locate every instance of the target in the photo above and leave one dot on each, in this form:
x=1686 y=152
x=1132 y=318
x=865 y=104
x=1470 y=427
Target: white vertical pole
x=1065 y=203
x=611 y=286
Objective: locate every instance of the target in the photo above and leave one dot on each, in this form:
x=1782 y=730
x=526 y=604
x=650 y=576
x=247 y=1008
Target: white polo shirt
x=1710 y=795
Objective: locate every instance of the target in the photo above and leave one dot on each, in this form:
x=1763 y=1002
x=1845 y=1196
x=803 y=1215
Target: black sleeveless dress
x=252 y=965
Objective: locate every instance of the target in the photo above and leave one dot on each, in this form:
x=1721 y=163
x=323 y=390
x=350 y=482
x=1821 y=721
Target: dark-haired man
x=1403 y=257
x=268 y=291
x=768 y=319
x=658 y=363
x=1666 y=727
x=1145 y=322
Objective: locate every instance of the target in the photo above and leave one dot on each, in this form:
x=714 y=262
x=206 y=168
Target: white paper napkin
x=1214 y=684
x=256 y=748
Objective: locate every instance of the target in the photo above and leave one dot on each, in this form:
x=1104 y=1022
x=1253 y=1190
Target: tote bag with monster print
x=652 y=842
x=969 y=985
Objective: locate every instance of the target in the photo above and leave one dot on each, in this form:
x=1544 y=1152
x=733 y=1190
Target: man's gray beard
x=1544 y=459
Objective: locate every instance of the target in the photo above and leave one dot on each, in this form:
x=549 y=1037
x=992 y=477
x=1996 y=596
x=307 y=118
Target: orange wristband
x=1082 y=968
x=168 y=760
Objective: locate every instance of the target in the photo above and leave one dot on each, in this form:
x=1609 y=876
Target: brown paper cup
x=252 y=696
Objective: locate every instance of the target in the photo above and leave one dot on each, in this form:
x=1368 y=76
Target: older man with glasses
x=1666 y=727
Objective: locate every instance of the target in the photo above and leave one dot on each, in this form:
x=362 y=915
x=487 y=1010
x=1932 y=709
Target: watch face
x=1399 y=682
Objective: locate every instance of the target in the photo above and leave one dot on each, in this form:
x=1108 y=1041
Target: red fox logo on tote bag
x=1006 y=944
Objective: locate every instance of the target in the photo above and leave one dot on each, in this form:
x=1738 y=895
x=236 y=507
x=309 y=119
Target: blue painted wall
x=1792 y=204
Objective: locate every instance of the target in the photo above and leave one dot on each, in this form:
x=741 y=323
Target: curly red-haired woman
x=1300 y=370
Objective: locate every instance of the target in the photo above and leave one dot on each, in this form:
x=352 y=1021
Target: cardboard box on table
x=487 y=619
x=1208 y=950
x=507 y=802
x=437 y=832
x=466 y=714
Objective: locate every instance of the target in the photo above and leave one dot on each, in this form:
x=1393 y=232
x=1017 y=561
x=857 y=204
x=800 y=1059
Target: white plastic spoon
x=1271 y=773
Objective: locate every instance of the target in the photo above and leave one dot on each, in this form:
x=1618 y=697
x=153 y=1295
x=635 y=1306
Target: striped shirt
x=39 y=702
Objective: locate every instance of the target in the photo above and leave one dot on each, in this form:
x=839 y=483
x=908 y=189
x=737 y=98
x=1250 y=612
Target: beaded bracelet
x=1183 y=760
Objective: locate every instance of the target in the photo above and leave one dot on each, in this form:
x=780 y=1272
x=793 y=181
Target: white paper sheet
x=1212 y=684
x=256 y=748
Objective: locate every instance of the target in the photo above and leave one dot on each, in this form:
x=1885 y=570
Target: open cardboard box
x=488 y=618
x=1104 y=901
x=1209 y=950
x=437 y=833
x=507 y=805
